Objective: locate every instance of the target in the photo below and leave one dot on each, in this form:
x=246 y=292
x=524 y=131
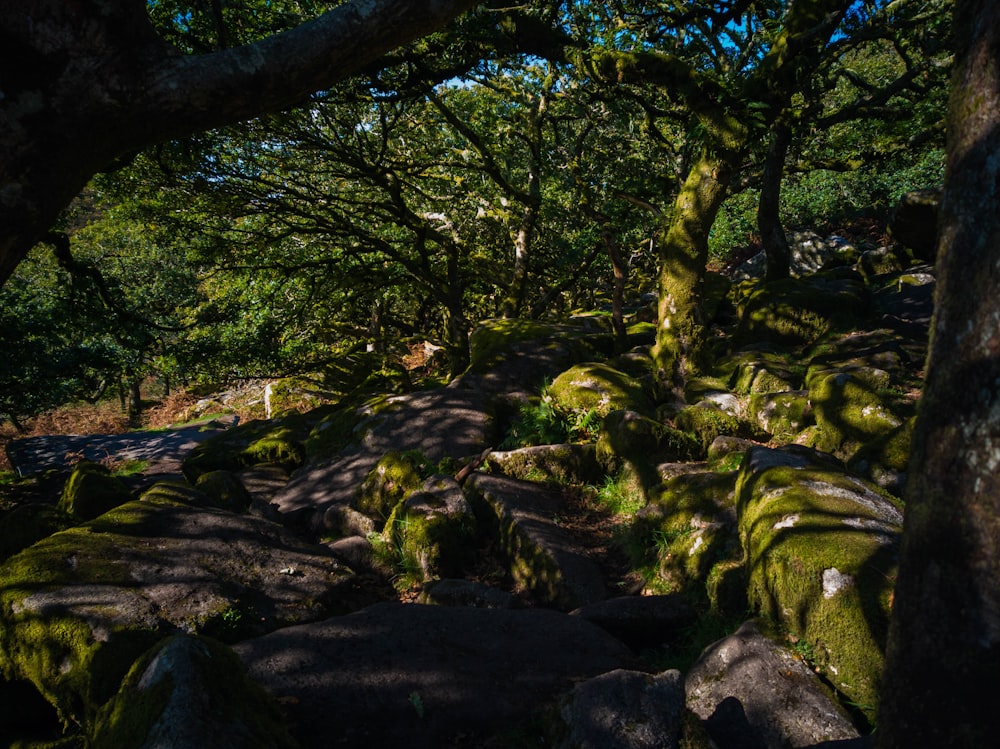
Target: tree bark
x=772 y=233
x=943 y=653
x=85 y=84
x=683 y=257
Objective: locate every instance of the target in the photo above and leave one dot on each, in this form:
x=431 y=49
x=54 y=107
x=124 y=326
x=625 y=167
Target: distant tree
x=943 y=653
x=736 y=69
x=87 y=84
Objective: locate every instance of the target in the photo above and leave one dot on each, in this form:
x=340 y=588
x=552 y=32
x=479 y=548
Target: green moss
x=91 y=491
x=706 y=421
x=278 y=441
x=155 y=695
x=224 y=490
x=781 y=415
x=429 y=543
x=630 y=438
x=798 y=311
x=850 y=410
x=278 y=447
x=29 y=523
x=599 y=388
x=821 y=552
x=561 y=464
x=394 y=477
x=493 y=340
x=681 y=535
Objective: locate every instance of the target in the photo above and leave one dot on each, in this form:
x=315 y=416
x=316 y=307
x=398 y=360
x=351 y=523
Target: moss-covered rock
x=706 y=421
x=189 y=692
x=82 y=604
x=628 y=437
x=433 y=530
x=781 y=415
x=758 y=371
x=851 y=408
x=278 y=442
x=28 y=523
x=885 y=459
x=598 y=387
x=821 y=550
x=687 y=528
x=91 y=491
x=558 y=464
x=492 y=341
x=278 y=447
x=543 y=559
x=394 y=477
x=224 y=490
x=332 y=431
x=798 y=311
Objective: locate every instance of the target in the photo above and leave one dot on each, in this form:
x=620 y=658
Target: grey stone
x=625 y=710
x=425 y=676
x=747 y=685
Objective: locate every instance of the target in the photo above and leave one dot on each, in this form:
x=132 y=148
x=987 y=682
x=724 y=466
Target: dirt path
x=163 y=450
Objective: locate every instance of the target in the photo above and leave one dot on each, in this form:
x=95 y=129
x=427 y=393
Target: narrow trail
x=163 y=450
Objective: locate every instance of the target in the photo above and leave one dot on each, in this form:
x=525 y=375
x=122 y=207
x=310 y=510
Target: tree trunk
x=511 y=306
x=772 y=233
x=85 y=84
x=620 y=271
x=943 y=655
x=683 y=256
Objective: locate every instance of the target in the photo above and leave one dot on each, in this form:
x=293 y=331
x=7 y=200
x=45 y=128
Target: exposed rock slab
x=544 y=560
x=641 y=621
x=751 y=692
x=625 y=710
x=80 y=605
x=425 y=676
x=821 y=549
x=437 y=423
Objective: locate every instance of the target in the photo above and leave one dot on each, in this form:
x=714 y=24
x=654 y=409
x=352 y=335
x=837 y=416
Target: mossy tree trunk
x=943 y=656
x=772 y=233
x=683 y=258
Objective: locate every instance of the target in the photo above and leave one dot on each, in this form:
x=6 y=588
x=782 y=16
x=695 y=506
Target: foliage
x=544 y=422
x=484 y=171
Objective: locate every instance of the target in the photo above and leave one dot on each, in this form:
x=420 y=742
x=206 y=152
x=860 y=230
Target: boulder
x=81 y=605
x=428 y=676
x=189 y=693
x=558 y=464
x=278 y=442
x=821 y=551
x=761 y=371
x=437 y=424
x=705 y=421
x=686 y=529
x=641 y=442
x=851 y=406
x=543 y=559
x=781 y=415
x=433 y=530
x=91 y=491
x=751 y=692
x=625 y=710
x=597 y=387
x=798 y=311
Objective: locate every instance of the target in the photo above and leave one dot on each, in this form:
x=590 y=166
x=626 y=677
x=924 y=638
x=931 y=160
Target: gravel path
x=163 y=450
